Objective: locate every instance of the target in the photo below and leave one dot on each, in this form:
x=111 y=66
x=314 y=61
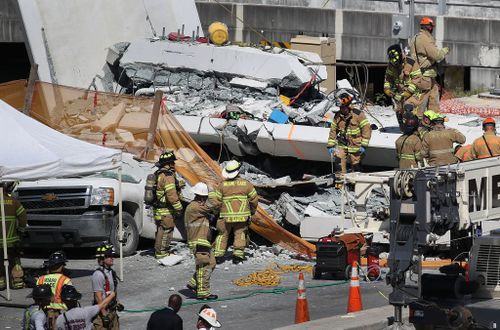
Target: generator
x=336 y=253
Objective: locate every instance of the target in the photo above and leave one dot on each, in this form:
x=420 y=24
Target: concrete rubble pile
x=205 y=80
x=293 y=205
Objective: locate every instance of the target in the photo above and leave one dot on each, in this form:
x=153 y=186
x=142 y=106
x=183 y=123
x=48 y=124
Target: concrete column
x=238 y=33
x=441 y=7
x=439 y=31
x=339 y=30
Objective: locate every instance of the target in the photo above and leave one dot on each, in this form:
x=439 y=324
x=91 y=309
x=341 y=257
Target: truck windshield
x=114 y=175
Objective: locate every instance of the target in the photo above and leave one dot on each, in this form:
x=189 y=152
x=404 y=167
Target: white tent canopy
x=31 y=151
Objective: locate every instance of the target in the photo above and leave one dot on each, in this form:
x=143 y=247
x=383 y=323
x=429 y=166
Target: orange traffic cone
x=354 y=303
x=301 y=307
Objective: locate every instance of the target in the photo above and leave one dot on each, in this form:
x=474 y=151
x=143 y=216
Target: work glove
x=362 y=150
x=331 y=150
x=446 y=50
x=405 y=95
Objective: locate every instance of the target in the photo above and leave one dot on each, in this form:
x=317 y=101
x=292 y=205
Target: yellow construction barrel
x=218 y=33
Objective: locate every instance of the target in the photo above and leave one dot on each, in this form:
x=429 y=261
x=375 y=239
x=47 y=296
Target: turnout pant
x=343 y=155
x=240 y=230
x=15 y=269
x=164 y=232
x=205 y=265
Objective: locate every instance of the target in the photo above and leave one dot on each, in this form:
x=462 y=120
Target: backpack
x=150 y=198
x=26 y=321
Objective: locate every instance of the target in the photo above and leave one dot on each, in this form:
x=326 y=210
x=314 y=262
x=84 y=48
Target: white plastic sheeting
x=31 y=150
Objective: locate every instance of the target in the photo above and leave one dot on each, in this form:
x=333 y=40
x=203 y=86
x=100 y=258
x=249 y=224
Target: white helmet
x=209 y=315
x=231 y=170
x=200 y=189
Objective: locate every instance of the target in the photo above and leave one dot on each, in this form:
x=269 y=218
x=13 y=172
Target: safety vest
x=56 y=282
x=13 y=210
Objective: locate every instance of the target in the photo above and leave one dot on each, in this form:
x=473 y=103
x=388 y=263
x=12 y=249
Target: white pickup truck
x=83 y=211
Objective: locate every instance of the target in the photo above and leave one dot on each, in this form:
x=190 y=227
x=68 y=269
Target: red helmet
x=489 y=121
x=427 y=21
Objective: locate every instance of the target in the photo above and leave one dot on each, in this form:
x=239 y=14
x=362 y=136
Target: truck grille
x=488 y=261
x=53 y=198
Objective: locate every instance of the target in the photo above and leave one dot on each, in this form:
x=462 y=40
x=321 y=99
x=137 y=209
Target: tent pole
x=120 y=219
x=4 y=235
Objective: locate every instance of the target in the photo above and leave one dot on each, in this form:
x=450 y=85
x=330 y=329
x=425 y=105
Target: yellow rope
x=271 y=275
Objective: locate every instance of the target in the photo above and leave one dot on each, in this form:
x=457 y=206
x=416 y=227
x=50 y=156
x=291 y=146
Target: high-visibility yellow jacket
x=15 y=219
x=236 y=199
x=351 y=132
x=166 y=194
x=486 y=146
x=56 y=282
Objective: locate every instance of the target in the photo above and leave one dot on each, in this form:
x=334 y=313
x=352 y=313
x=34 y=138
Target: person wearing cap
x=105 y=281
x=35 y=316
x=168 y=203
x=350 y=134
x=77 y=318
x=437 y=145
x=196 y=219
x=167 y=318
x=424 y=51
x=56 y=279
x=237 y=201
x=487 y=145
x=207 y=319
x=409 y=144
x=15 y=221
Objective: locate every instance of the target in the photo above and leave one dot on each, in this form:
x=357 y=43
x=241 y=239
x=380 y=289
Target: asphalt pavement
x=147 y=286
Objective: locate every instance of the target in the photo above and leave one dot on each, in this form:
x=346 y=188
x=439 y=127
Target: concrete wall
x=364 y=35
x=10 y=23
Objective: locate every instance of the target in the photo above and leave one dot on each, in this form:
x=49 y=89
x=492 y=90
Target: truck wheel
x=130 y=235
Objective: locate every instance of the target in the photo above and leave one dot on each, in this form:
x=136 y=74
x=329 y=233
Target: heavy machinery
x=429 y=202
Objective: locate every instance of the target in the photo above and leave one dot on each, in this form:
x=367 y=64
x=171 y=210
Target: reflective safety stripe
x=199 y=241
x=411 y=87
x=430 y=73
x=365 y=142
x=363 y=123
x=354 y=131
x=177 y=205
x=235 y=197
x=353 y=150
x=408 y=156
x=387 y=85
x=440 y=151
x=12 y=237
x=158 y=213
x=415 y=73
x=20 y=210
x=253 y=193
x=332 y=142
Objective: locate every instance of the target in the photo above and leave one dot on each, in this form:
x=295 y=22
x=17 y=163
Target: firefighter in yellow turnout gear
x=350 y=134
x=196 y=219
x=237 y=201
x=409 y=144
x=394 y=79
x=168 y=204
x=426 y=54
x=15 y=220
